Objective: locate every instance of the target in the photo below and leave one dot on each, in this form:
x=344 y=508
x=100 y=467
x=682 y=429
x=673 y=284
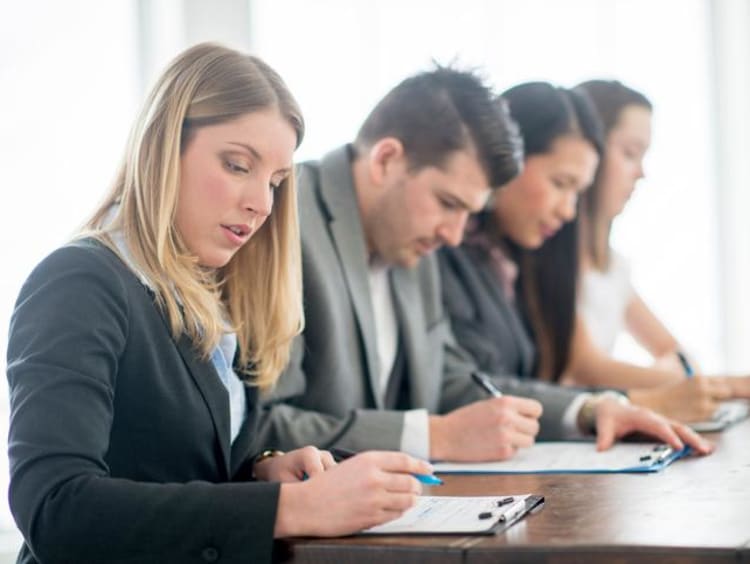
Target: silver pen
x=486 y=384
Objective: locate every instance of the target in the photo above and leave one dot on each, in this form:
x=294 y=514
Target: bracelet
x=587 y=413
x=266 y=454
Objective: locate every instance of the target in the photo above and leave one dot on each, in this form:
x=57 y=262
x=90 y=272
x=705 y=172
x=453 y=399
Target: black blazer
x=484 y=321
x=119 y=438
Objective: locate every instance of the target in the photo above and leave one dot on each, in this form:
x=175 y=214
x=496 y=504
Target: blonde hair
x=260 y=290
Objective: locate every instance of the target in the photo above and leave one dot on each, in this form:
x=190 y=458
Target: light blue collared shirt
x=222 y=357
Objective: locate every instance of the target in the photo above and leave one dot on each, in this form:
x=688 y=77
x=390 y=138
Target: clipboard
x=727 y=414
x=575 y=457
x=463 y=515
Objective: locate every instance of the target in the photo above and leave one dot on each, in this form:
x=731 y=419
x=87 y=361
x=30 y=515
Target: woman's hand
x=740 y=386
x=691 y=399
x=294 y=466
x=363 y=491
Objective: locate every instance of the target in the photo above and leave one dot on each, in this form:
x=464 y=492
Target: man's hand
x=615 y=420
x=491 y=429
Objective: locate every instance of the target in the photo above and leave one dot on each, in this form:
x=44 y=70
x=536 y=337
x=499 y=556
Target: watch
x=268 y=453
x=587 y=413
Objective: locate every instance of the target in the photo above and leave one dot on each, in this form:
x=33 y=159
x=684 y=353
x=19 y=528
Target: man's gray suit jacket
x=328 y=395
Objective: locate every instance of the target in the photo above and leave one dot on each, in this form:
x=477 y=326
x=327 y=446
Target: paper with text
x=573 y=457
x=444 y=514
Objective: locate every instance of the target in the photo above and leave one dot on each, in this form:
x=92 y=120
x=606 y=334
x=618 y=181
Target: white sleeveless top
x=604 y=297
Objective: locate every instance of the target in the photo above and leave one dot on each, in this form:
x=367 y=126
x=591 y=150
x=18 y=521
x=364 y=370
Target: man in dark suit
x=377 y=365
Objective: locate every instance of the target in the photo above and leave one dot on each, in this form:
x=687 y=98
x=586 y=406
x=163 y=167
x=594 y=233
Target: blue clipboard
x=575 y=457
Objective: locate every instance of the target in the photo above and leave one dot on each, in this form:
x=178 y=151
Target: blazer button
x=210 y=554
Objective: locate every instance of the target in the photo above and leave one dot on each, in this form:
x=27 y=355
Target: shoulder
x=618 y=263
x=307 y=179
x=618 y=273
x=79 y=293
x=307 y=173
x=78 y=273
x=83 y=257
x=309 y=201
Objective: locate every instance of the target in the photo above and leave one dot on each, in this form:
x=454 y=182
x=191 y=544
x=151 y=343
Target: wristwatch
x=269 y=453
x=587 y=413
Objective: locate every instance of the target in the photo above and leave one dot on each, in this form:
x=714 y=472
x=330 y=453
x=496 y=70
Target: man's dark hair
x=434 y=114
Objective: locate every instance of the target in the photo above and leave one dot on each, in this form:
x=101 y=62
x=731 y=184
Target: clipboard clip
x=658 y=455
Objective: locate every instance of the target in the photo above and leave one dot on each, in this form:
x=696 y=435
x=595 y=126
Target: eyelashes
x=238 y=168
x=232 y=166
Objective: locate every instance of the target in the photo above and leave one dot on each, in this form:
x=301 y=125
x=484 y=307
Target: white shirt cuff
x=570 y=428
x=415 y=439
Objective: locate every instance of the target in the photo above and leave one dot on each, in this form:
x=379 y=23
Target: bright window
x=68 y=98
x=339 y=57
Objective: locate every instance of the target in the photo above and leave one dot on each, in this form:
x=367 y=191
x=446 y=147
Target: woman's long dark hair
x=546 y=286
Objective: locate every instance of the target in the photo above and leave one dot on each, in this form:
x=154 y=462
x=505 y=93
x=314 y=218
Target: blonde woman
x=137 y=351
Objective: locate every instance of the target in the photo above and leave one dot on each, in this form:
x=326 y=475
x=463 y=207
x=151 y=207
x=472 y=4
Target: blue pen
x=428 y=479
x=340 y=454
x=685 y=364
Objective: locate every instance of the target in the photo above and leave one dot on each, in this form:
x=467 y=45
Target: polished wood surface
x=697 y=510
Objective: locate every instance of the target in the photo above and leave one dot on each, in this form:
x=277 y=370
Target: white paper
x=443 y=514
x=567 y=456
x=728 y=413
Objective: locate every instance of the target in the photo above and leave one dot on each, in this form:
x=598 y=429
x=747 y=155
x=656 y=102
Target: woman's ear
x=384 y=158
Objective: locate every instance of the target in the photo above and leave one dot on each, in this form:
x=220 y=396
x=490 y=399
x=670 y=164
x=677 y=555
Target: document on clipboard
x=574 y=457
x=445 y=515
x=727 y=414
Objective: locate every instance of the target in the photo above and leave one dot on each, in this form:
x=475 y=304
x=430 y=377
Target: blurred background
x=73 y=73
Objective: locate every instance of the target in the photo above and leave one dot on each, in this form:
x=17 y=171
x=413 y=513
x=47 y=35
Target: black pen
x=486 y=384
x=340 y=454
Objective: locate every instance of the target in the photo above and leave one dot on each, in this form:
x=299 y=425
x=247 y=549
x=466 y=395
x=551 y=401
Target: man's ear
x=384 y=157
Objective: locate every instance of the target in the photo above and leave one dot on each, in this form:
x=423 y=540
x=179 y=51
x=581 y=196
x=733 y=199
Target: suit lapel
x=214 y=393
x=339 y=196
x=243 y=445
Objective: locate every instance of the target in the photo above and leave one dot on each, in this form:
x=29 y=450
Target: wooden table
x=697 y=510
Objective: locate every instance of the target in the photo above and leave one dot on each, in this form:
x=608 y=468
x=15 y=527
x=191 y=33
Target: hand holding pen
x=428 y=479
x=490 y=429
x=484 y=382
x=686 y=366
x=366 y=490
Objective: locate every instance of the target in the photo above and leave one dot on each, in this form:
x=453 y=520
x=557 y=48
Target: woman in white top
x=605 y=299
x=608 y=303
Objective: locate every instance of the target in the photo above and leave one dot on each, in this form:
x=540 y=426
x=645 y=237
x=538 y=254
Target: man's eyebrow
x=457 y=201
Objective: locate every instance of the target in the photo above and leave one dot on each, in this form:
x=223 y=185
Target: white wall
x=67 y=99
x=731 y=72
x=339 y=57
